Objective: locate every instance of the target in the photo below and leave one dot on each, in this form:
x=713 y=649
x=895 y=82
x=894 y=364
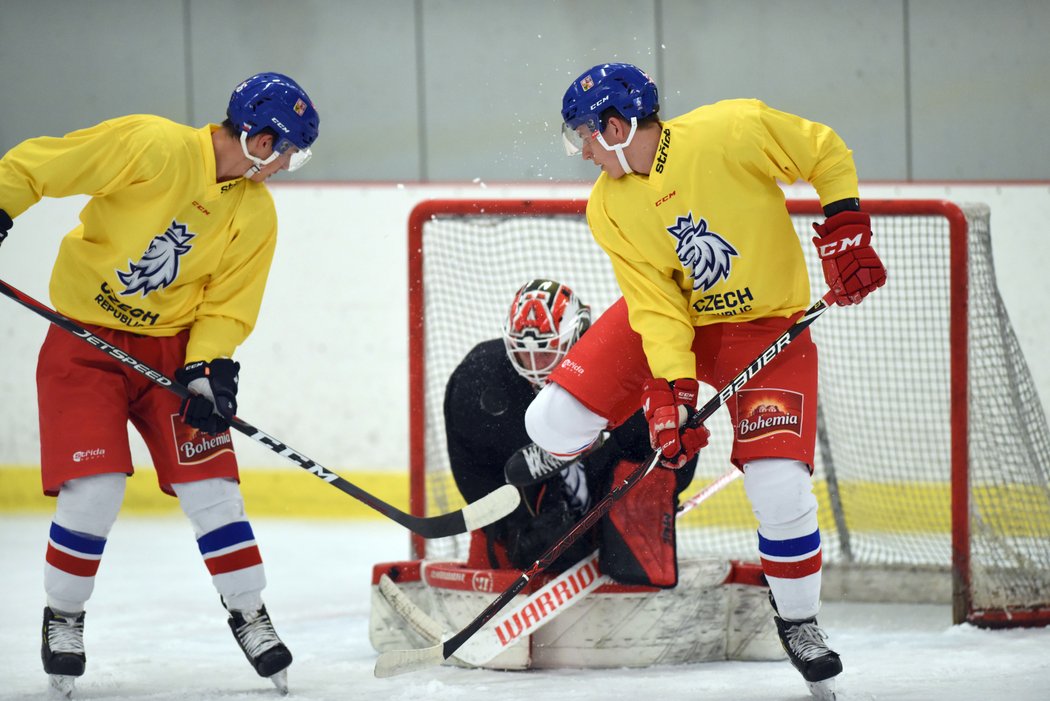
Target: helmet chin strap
x=618 y=148
x=257 y=163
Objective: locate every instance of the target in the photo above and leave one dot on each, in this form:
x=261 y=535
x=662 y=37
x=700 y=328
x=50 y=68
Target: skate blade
x=61 y=687
x=280 y=680
x=824 y=691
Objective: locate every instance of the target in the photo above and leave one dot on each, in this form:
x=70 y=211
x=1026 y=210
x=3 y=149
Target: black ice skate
x=267 y=654
x=62 y=650
x=804 y=644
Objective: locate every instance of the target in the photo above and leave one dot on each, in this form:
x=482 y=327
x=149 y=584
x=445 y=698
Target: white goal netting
x=933 y=451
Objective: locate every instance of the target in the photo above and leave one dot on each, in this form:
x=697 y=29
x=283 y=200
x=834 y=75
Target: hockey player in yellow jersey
x=711 y=269
x=169 y=263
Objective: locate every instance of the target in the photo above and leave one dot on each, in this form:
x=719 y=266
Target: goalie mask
x=545 y=320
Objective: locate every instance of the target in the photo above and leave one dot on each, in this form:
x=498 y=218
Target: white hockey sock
x=85 y=511
x=226 y=541
x=781 y=495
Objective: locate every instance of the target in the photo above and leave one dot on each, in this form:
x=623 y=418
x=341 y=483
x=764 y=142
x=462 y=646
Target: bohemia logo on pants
x=764 y=412
x=195 y=447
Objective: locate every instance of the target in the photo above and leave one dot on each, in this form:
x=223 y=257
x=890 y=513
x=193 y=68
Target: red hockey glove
x=851 y=266
x=667 y=407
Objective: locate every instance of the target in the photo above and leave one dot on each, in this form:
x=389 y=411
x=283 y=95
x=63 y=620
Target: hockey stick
x=536 y=610
x=701 y=496
x=489 y=508
x=395 y=662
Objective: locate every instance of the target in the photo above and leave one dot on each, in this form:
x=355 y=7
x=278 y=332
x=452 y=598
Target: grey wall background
x=456 y=90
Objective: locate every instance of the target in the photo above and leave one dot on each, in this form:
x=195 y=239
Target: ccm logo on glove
x=830 y=249
x=213 y=394
x=852 y=269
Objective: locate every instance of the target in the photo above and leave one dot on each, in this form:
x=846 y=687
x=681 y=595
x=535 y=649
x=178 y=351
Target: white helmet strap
x=618 y=148
x=257 y=163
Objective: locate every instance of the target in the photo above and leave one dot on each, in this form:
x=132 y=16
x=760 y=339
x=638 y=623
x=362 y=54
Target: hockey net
x=933 y=466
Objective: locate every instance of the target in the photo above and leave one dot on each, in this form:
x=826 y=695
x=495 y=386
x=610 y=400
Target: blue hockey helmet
x=617 y=85
x=276 y=101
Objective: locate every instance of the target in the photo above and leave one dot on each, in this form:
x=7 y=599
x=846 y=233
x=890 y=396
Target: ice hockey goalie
x=619 y=596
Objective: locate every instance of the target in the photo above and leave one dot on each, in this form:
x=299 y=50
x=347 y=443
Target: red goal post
x=933 y=453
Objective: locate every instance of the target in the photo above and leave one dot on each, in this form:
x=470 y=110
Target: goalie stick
x=393 y=662
x=532 y=613
x=489 y=508
x=540 y=608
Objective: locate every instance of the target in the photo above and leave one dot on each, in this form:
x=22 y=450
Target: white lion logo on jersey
x=159 y=265
x=703 y=252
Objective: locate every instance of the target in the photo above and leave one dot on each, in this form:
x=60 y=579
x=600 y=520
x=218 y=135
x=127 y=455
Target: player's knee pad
x=90 y=504
x=557 y=422
x=210 y=503
x=781 y=496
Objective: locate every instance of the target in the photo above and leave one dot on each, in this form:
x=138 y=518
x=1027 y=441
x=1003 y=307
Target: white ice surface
x=155 y=630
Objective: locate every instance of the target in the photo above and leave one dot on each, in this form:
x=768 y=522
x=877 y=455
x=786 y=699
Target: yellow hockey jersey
x=161 y=246
x=705 y=237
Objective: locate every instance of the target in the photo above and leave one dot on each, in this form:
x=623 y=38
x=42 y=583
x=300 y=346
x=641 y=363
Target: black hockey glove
x=550 y=510
x=5 y=225
x=529 y=539
x=213 y=399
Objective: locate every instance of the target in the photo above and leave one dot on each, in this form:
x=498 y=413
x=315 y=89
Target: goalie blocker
x=718 y=611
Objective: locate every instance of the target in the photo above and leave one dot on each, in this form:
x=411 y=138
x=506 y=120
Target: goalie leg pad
x=638 y=533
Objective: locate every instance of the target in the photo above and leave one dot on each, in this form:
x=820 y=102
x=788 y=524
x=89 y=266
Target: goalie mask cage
x=933 y=460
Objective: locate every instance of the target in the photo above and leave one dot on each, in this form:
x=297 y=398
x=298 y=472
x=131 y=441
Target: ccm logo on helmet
x=278 y=123
x=604 y=99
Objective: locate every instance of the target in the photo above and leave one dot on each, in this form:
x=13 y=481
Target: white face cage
x=298 y=158
x=574 y=139
x=537 y=347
